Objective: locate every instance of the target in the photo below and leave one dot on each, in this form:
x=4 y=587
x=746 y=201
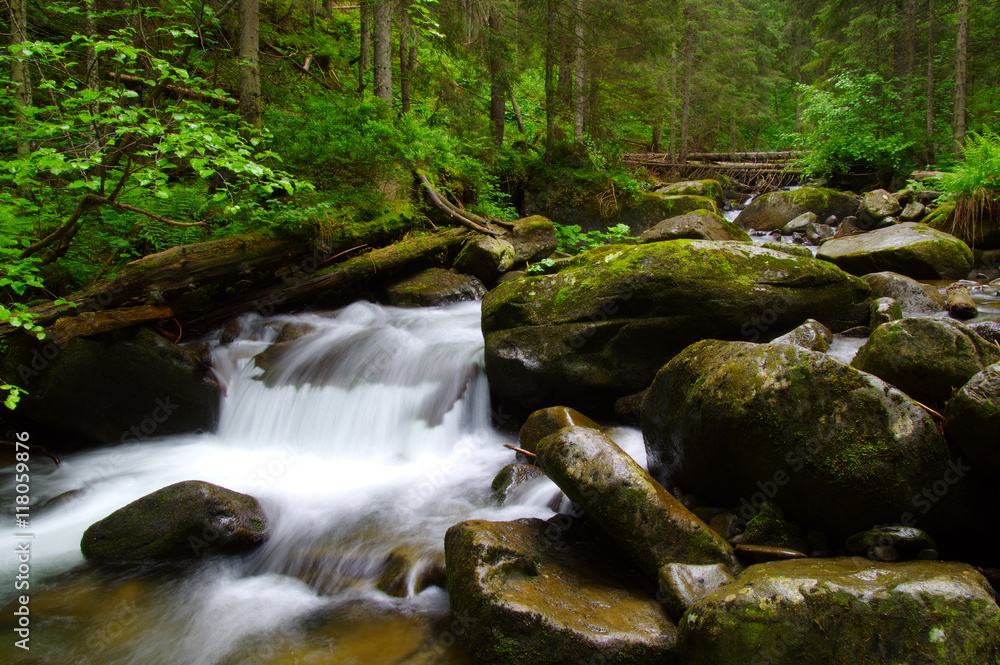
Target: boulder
x=550 y=592
x=892 y=543
x=810 y=335
x=846 y=610
x=533 y=239
x=799 y=223
x=959 y=302
x=711 y=189
x=914 y=250
x=911 y=295
x=601 y=325
x=697 y=225
x=885 y=310
x=913 y=212
x=790 y=248
x=838 y=449
x=876 y=206
x=683 y=584
x=928 y=359
x=185 y=520
x=647 y=522
x=817 y=234
x=770 y=212
x=511 y=477
x=988 y=330
x=972 y=419
x=434 y=286
x=121 y=387
x=550 y=420
x=486 y=258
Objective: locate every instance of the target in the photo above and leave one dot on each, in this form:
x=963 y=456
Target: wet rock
x=711 y=189
x=627 y=408
x=890 y=543
x=960 y=303
x=486 y=258
x=876 y=206
x=511 y=477
x=837 y=448
x=913 y=212
x=547 y=421
x=817 y=234
x=810 y=335
x=727 y=525
x=911 y=295
x=988 y=330
x=232 y=332
x=292 y=331
x=434 y=286
x=537 y=592
x=908 y=354
x=758 y=554
x=407 y=572
x=972 y=419
x=914 y=250
x=647 y=522
x=790 y=249
x=773 y=210
x=533 y=239
x=600 y=327
x=696 y=225
x=845 y=611
x=682 y=585
x=885 y=310
x=770 y=528
x=185 y=520
x=799 y=223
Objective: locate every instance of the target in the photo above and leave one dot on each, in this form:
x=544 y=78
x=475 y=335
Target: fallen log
x=92 y=323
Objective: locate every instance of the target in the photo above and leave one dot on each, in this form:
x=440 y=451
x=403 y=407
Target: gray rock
x=799 y=223
x=885 y=310
x=988 y=330
x=914 y=250
x=533 y=239
x=770 y=212
x=911 y=295
x=711 y=189
x=696 y=225
x=486 y=258
x=683 y=584
x=810 y=335
x=972 y=419
x=876 y=206
x=905 y=542
x=817 y=234
x=432 y=287
x=913 y=212
x=511 y=477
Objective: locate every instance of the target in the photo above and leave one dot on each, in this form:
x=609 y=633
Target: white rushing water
x=371 y=434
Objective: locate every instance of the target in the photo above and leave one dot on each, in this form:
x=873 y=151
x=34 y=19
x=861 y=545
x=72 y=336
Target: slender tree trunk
x=672 y=146
x=517 y=113
x=19 y=74
x=251 y=103
x=383 y=49
x=961 y=77
x=498 y=85
x=93 y=74
x=328 y=9
x=365 y=57
x=550 y=83
x=930 y=82
x=404 y=72
x=911 y=50
x=579 y=75
x=686 y=109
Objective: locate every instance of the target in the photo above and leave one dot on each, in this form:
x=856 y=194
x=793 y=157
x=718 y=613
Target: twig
x=520 y=450
x=929 y=409
x=342 y=253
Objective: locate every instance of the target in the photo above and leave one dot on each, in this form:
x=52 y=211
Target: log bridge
x=759 y=170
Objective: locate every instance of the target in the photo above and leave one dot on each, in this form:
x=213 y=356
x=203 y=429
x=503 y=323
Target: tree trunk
x=911 y=50
x=498 y=84
x=961 y=77
x=383 y=49
x=550 y=83
x=672 y=146
x=251 y=103
x=365 y=57
x=930 y=82
x=517 y=113
x=686 y=109
x=19 y=74
x=404 y=72
x=579 y=75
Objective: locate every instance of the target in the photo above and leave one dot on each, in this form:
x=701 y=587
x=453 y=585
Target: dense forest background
x=132 y=126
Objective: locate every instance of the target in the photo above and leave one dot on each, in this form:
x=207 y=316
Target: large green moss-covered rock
x=838 y=449
x=697 y=225
x=914 y=250
x=550 y=420
x=602 y=325
x=485 y=257
x=928 y=359
x=434 y=286
x=845 y=611
x=182 y=521
x=533 y=238
x=770 y=212
x=912 y=296
x=550 y=592
x=972 y=421
x=708 y=188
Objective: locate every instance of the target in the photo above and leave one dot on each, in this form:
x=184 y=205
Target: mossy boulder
x=790 y=248
x=983 y=235
x=550 y=420
x=434 y=286
x=913 y=250
x=485 y=257
x=601 y=325
x=697 y=225
x=651 y=526
x=185 y=520
x=810 y=335
x=511 y=477
x=972 y=419
x=885 y=310
x=770 y=212
x=846 y=610
x=121 y=387
x=912 y=296
x=840 y=450
x=876 y=206
x=928 y=359
x=533 y=238
x=552 y=592
x=711 y=189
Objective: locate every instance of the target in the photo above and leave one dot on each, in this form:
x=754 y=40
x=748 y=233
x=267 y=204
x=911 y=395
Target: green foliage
x=974 y=186
x=573 y=240
x=854 y=127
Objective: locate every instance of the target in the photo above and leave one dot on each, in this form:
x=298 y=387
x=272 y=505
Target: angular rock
x=914 y=250
x=683 y=584
x=770 y=212
x=959 y=302
x=696 y=225
x=885 y=310
x=538 y=592
x=511 y=477
x=486 y=258
x=432 y=287
x=533 y=239
x=550 y=420
x=810 y=335
x=909 y=354
x=972 y=419
x=799 y=223
x=845 y=611
x=876 y=206
x=838 y=449
x=185 y=520
x=911 y=295
x=913 y=212
x=647 y=522
x=602 y=325
x=817 y=234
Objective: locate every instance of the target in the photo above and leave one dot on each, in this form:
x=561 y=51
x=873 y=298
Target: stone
x=533 y=239
x=885 y=310
x=810 y=335
x=913 y=212
x=769 y=528
x=847 y=610
x=914 y=250
x=545 y=592
x=511 y=477
x=433 y=287
x=905 y=542
x=770 y=212
x=988 y=330
x=959 y=302
x=908 y=292
x=789 y=248
x=817 y=234
x=486 y=258
x=711 y=189
x=799 y=223
x=972 y=419
x=550 y=420
x=683 y=584
x=876 y=206
x=293 y=330
x=849 y=227
x=696 y=225
x=908 y=354
x=627 y=408
x=838 y=449
x=406 y=572
x=602 y=325
x=185 y=520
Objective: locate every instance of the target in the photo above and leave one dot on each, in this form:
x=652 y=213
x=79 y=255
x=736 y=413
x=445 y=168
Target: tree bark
x=498 y=87
x=961 y=77
x=365 y=57
x=383 y=49
x=517 y=113
x=930 y=82
x=672 y=146
x=404 y=72
x=686 y=109
x=550 y=83
x=251 y=103
x=19 y=74
x=579 y=75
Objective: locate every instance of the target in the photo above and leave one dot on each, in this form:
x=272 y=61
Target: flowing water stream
x=365 y=440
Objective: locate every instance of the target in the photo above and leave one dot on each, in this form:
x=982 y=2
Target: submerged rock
x=845 y=611
x=770 y=212
x=540 y=592
x=914 y=250
x=431 y=287
x=185 y=520
x=697 y=225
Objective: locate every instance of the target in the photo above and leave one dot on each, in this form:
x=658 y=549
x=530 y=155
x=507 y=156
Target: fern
x=974 y=186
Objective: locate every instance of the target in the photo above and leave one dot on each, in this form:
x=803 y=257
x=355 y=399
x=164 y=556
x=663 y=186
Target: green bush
x=974 y=186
